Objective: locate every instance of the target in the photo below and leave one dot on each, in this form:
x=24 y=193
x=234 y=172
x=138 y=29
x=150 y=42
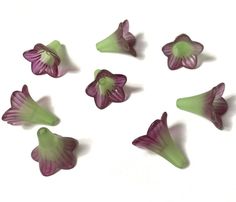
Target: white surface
x=109 y=167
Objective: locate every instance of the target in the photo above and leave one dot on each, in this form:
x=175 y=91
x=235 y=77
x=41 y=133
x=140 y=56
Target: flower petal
x=216 y=120
x=67 y=160
x=32 y=55
x=158 y=128
x=126 y=47
x=130 y=38
x=174 y=62
x=218 y=90
x=35 y=154
x=103 y=73
x=125 y=27
x=164 y=119
x=144 y=142
x=102 y=101
x=190 y=62
x=167 y=49
x=197 y=48
x=120 y=79
x=25 y=91
x=12 y=116
x=38 y=67
x=91 y=90
x=182 y=37
x=48 y=167
x=132 y=51
x=53 y=70
x=19 y=98
x=70 y=144
x=220 y=106
x=117 y=95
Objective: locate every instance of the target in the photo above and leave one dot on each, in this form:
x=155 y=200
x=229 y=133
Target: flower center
x=182 y=48
x=47 y=58
x=105 y=84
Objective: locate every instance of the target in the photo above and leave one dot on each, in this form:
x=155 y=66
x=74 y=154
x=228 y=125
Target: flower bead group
x=55 y=152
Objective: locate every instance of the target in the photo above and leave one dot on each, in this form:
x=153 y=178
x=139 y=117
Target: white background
x=109 y=167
